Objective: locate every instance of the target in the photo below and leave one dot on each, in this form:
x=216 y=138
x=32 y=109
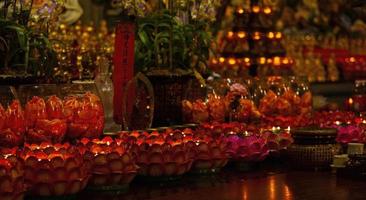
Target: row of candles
x=115 y=162
x=275 y=61
x=256 y=35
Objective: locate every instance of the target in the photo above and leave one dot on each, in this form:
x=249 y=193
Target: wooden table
x=260 y=185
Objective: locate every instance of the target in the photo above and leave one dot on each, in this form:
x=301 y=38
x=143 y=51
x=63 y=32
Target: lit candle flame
x=350 y=101
x=240 y=10
x=256 y=9
x=267 y=10
x=241 y=34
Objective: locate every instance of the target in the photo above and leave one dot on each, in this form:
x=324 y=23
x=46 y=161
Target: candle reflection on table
x=274 y=189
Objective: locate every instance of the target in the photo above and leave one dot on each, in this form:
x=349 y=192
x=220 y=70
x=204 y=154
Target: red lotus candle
x=111 y=162
x=328 y=119
x=247 y=148
x=12 y=125
x=54 y=170
x=160 y=154
x=207 y=150
x=277 y=141
x=45 y=121
x=217 y=108
x=85 y=116
x=11 y=175
x=200 y=112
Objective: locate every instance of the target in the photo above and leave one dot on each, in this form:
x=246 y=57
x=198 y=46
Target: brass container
x=313 y=148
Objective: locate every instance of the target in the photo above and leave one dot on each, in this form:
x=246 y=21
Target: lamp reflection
x=275 y=188
x=272 y=188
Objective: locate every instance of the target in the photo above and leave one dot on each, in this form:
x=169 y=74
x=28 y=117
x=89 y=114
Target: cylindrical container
x=313 y=148
x=205 y=103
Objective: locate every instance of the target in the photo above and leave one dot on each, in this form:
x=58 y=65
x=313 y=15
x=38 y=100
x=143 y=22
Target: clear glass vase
x=104 y=85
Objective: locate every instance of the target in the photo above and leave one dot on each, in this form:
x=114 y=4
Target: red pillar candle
x=123 y=63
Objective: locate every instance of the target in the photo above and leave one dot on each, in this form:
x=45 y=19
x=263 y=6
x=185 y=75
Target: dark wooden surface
x=233 y=185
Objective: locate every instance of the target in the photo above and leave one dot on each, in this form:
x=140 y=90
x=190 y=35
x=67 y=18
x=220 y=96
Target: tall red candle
x=123 y=63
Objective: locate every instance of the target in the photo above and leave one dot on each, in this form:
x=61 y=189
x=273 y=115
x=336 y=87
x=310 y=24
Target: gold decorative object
x=78 y=49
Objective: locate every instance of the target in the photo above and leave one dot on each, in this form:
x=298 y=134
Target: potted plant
x=172 y=47
x=23 y=39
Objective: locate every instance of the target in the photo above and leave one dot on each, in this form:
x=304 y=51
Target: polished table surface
x=258 y=185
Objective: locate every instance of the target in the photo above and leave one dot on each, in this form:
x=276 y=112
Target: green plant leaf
x=21 y=34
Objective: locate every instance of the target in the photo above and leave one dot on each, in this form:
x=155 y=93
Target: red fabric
x=123 y=64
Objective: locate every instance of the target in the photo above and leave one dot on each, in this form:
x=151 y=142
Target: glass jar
x=204 y=103
x=285 y=96
x=12 y=124
x=283 y=101
x=272 y=97
x=241 y=106
x=104 y=84
x=302 y=96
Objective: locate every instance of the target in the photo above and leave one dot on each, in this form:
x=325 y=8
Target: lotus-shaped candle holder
x=112 y=165
x=54 y=170
x=45 y=120
x=12 y=125
x=330 y=118
x=248 y=148
x=208 y=155
x=160 y=154
x=11 y=175
x=350 y=134
x=277 y=141
x=207 y=149
x=84 y=116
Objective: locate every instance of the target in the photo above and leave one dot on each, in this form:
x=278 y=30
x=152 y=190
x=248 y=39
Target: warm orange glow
x=350 y=101
x=267 y=10
x=269 y=61
x=240 y=10
x=62 y=26
x=287 y=192
x=256 y=9
x=230 y=34
x=352 y=59
x=245 y=192
x=246 y=60
x=222 y=59
x=272 y=188
x=270 y=35
x=232 y=61
x=277 y=61
x=285 y=61
x=257 y=36
x=262 y=60
x=89 y=28
x=278 y=35
x=214 y=61
x=241 y=34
